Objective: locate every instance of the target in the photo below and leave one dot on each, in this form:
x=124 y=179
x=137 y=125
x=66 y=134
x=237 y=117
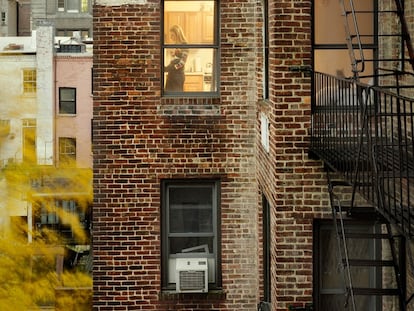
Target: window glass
x=67 y=100
x=331 y=54
x=67 y=150
x=61 y=5
x=73 y=6
x=29 y=80
x=84 y=6
x=331 y=283
x=190 y=53
x=190 y=226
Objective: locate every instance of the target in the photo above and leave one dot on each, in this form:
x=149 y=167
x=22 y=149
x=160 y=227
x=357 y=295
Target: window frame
x=62 y=6
x=62 y=101
x=215 y=46
x=29 y=81
x=67 y=157
x=321 y=252
x=165 y=234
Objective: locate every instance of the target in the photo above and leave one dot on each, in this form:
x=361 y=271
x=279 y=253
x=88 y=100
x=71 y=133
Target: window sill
x=190 y=106
x=214 y=294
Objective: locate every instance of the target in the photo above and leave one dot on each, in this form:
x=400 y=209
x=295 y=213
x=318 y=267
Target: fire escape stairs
x=355 y=39
x=343 y=210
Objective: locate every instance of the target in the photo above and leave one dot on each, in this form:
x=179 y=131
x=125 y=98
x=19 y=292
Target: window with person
x=190 y=53
x=190 y=225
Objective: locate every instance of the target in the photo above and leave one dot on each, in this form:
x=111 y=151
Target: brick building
x=205 y=197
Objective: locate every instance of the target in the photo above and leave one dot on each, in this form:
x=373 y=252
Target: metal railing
x=366 y=134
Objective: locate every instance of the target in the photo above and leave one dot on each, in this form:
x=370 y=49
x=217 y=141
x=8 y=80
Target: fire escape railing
x=366 y=134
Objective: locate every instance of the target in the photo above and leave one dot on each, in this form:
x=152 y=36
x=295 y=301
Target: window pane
x=189 y=70
x=328 y=13
x=73 y=5
x=191 y=219
x=200 y=196
x=180 y=245
x=67 y=94
x=29 y=80
x=67 y=100
x=84 y=6
x=195 y=18
x=61 y=5
x=337 y=62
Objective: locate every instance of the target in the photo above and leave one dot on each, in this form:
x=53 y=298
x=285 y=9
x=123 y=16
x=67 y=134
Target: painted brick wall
x=141 y=139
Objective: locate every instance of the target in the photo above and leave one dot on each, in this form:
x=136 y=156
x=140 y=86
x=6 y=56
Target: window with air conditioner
x=190 y=235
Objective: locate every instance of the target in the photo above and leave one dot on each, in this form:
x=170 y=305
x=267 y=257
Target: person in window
x=175 y=70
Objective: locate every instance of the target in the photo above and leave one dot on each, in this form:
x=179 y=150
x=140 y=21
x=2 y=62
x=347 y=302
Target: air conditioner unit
x=191 y=275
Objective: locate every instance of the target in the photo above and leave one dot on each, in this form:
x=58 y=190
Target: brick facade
x=294 y=184
x=141 y=139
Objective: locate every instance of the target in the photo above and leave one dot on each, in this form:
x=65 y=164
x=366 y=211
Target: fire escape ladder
x=386 y=262
x=353 y=38
x=356 y=40
x=405 y=32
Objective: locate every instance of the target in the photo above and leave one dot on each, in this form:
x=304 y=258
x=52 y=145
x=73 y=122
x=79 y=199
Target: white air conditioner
x=191 y=275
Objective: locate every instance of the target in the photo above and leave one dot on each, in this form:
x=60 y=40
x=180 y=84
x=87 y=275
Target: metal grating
x=192 y=280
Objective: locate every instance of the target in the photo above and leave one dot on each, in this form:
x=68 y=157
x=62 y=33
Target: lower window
x=190 y=235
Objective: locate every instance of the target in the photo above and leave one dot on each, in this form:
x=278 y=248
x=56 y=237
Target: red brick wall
x=140 y=139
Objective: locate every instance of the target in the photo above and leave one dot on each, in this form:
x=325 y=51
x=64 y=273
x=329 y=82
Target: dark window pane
x=185 y=244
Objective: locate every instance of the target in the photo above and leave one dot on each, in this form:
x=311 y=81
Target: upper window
x=67 y=100
x=190 y=232
x=190 y=47
x=330 y=47
x=73 y=6
x=29 y=80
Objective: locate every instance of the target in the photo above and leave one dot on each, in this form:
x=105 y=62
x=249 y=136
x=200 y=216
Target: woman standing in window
x=175 y=70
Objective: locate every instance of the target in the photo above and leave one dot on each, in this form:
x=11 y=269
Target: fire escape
x=363 y=133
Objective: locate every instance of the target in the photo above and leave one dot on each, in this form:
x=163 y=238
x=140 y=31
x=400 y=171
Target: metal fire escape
x=364 y=135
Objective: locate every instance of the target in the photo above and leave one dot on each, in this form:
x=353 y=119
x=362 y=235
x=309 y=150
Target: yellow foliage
x=31 y=258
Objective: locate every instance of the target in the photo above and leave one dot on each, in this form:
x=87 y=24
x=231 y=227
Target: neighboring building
x=73 y=103
x=214 y=195
x=15 y=18
x=45 y=146
x=71 y=18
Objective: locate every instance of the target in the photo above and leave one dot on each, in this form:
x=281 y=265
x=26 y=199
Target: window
x=67 y=150
x=330 y=287
x=190 y=54
x=29 y=81
x=73 y=6
x=73 y=33
x=67 y=100
x=330 y=46
x=59 y=215
x=190 y=227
